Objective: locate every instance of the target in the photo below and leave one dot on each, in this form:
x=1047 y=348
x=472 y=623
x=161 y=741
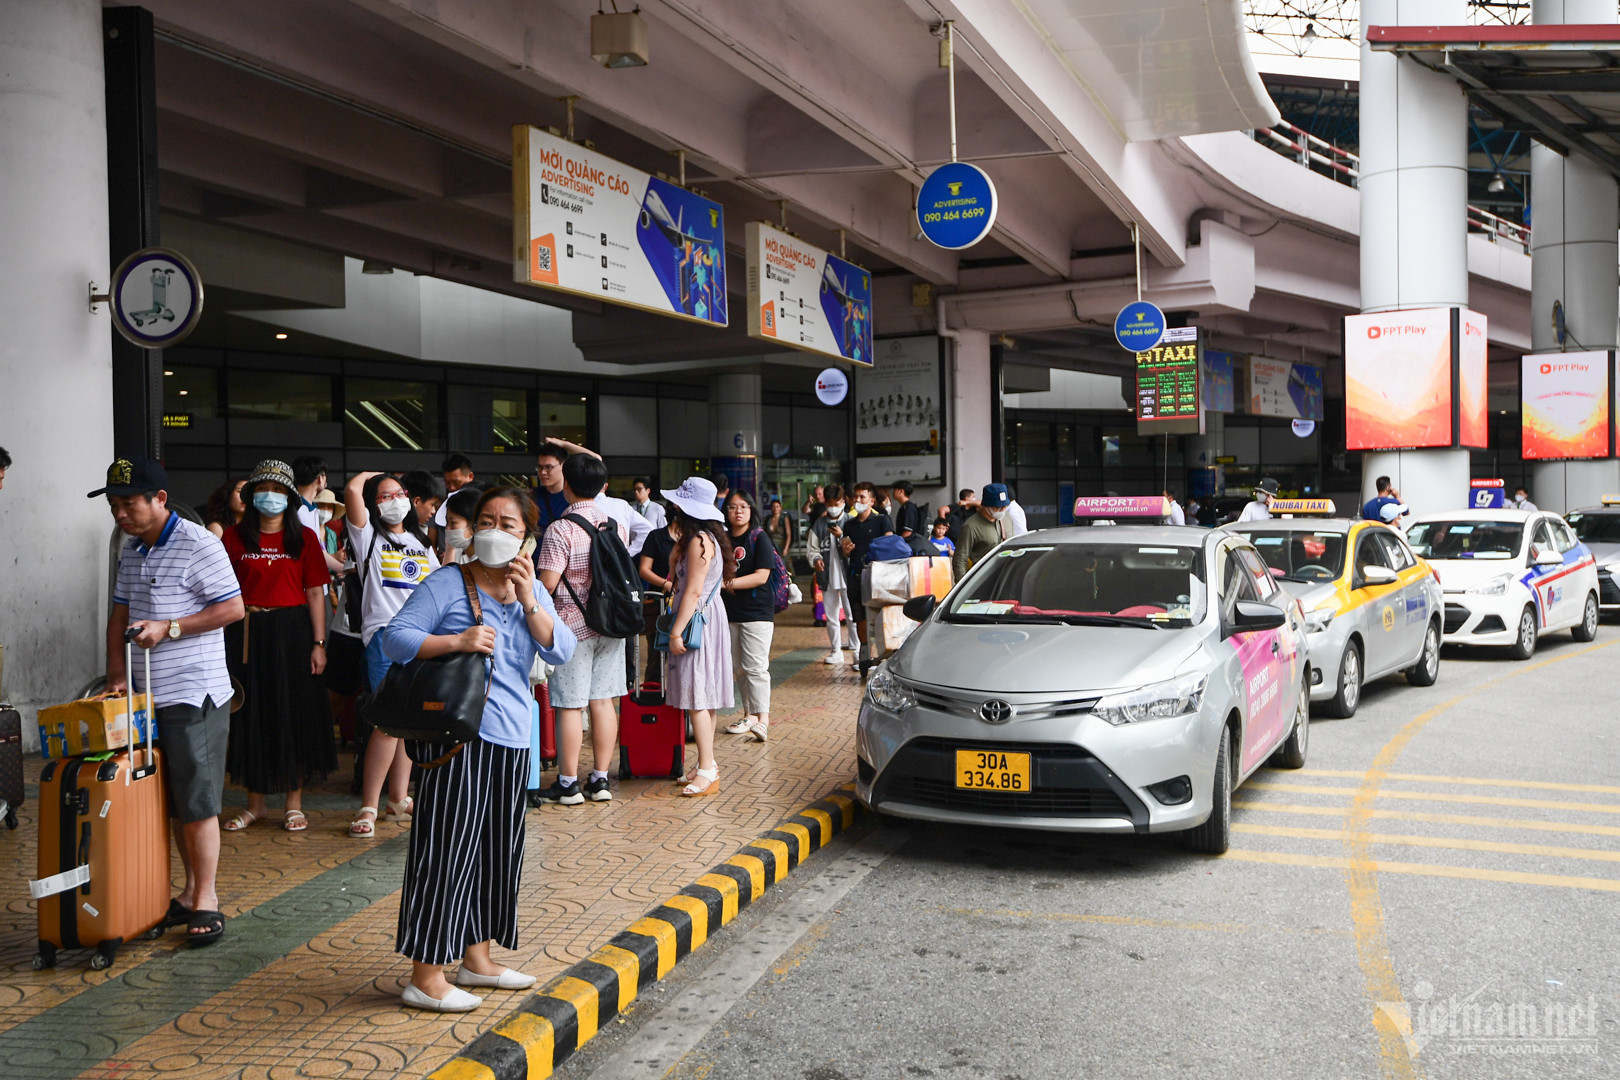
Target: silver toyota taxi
x=1123 y=678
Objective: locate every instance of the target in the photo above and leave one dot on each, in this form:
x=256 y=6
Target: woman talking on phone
x=466 y=853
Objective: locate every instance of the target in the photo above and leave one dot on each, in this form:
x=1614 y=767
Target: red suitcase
x=103 y=850
x=548 y=726
x=652 y=734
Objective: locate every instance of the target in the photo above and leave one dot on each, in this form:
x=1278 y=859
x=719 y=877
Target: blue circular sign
x=1139 y=327
x=956 y=206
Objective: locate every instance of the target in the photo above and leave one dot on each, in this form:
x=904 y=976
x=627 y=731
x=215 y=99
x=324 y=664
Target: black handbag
x=438 y=700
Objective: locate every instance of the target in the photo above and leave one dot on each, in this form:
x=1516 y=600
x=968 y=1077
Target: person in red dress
x=281 y=738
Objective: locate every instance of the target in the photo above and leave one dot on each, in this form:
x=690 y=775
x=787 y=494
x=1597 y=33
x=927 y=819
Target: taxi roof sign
x=1122 y=506
x=1487 y=484
x=1611 y=500
x=1322 y=507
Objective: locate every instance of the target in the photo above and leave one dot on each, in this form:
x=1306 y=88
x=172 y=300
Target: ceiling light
x=183 y=393
x=619 y=39
x=1309 y=36
x=375 y=266
x=1497 y=185
x=281 y=337
x=168 y=373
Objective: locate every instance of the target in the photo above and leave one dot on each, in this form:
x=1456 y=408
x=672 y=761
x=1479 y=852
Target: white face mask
x=393 y=511
x=835 y=510
x=496 y=549
x=323 y=516
x=1000 y=513
x=457 y=538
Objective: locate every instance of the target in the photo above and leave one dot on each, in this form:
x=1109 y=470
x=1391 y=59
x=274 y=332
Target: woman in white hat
x=700 y=678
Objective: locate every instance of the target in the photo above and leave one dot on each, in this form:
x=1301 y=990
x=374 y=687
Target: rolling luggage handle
x=130 y=634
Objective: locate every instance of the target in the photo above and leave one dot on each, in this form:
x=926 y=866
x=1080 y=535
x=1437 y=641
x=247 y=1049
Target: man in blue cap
x=986 y=527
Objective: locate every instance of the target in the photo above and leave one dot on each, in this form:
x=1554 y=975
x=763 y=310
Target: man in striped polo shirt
x=176 y=583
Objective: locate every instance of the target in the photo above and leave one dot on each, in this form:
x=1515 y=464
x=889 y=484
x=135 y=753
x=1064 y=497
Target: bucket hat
x=272 y=470
x=696 y=498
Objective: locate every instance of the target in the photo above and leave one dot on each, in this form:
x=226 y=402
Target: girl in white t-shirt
x=392 y=557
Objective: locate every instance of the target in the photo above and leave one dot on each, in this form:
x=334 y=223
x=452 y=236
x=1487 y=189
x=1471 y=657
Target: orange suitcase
x=103 y=851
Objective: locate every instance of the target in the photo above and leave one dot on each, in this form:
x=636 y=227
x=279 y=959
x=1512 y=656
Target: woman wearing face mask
x=460 y=511
x=392 y=557
x=225 y=506
x=281 y=738
x=466 y=853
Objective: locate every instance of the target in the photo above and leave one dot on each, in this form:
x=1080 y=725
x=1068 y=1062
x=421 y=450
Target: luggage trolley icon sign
x=157 y=297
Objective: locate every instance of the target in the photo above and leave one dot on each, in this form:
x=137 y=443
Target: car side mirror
x=1549 y=557
x=1379 y=575
x=1250 y=615
x=918 y=608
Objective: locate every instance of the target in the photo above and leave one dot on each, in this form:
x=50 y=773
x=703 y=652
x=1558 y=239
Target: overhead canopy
x=1558 y=83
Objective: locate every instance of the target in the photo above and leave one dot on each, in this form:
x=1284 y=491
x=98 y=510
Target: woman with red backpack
x=751 y=607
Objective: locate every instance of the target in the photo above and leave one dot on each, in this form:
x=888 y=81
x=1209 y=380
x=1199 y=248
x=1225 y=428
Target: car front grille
x=962 y=703
x=1065 y=781
x=1608 y=591
x=1456 y=615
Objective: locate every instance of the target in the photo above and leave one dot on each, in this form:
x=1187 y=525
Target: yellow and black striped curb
x=562 y=1016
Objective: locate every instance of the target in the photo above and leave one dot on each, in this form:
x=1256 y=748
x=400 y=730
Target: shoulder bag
x=693 y=634
x=437 y=700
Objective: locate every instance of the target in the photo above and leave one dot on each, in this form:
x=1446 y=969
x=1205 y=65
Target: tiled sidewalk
x=306 y=981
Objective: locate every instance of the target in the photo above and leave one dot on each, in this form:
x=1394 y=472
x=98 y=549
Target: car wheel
x=1344 y=702
x=1427 y=669
x=1291 y=754
x=1525 y=647
x=1214 y=836
x=1587 y=630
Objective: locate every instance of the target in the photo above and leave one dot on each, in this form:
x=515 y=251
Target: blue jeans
x=377 y=662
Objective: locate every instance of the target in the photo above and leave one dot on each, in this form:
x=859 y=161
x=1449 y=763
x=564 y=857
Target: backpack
x=780 y=580
x=888 y=549
x=612 y=606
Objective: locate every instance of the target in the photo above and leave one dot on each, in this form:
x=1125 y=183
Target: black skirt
x=281 y=738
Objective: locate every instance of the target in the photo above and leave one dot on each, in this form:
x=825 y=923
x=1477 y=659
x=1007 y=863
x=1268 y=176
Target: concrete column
x=1414 y=216
x=734 y=415
x=55 y=356
x=969 y=426
x=1573 y=253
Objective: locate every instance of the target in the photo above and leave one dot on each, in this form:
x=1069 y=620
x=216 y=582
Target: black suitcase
x=11 y=764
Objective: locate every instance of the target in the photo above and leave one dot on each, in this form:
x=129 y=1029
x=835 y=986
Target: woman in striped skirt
x=466 y=854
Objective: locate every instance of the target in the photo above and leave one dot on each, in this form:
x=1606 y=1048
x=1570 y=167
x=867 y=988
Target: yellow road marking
x=664 y=934
x=1437 y=819
x=699 y=912
x=534 y=1033
x=1137 y=920
x=583 y=997
x=799 y=833
x=779 y=851
x=1442 y=796
x=822 y=818
x=1467 y=873
x=1500 y=846
x=727 y=888
x=754 y=866
x=626 y=965
x=1472 y=781
x=468 y=1069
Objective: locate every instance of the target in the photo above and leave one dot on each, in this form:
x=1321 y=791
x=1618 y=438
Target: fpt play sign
x=956 y=206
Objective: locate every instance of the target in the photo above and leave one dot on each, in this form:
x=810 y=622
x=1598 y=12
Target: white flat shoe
x=454 y=1001
x=506 y=980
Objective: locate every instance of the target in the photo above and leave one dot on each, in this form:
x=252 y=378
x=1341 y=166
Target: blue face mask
x=270 y=502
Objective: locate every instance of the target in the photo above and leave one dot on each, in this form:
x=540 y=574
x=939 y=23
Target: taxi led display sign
x=1168 y=378
x=1323 y=507
x=956 y=206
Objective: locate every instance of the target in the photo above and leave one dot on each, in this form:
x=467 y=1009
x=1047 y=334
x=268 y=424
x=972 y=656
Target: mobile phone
x=528 y=547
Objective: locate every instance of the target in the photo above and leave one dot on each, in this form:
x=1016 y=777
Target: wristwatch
x=320 y=643
x=534 y=609
x=174 y=629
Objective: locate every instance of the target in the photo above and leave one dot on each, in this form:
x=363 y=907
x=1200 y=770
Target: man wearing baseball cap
x=1259 y=508
x=176 y=584
x=982 y=530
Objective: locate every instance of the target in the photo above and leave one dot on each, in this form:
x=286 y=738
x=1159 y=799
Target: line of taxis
x=1129 y=678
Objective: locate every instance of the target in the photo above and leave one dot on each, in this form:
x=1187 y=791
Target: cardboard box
x=90 y=726
x=886 y=630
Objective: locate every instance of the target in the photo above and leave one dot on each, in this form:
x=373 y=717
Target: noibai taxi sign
x=1139 y=327
x=956 y=206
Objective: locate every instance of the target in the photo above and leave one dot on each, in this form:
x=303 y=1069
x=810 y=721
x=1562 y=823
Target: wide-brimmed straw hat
x=696 y=498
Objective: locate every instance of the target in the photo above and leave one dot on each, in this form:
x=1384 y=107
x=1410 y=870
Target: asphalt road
x=1434 y=895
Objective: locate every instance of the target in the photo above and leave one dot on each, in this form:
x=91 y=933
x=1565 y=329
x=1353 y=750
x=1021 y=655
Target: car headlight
x=1496 y=586
x=1160 y=701
x=887 y=692
x=1318 y=620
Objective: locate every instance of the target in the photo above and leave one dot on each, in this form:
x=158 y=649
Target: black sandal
x=212 y=923
x=178 y=915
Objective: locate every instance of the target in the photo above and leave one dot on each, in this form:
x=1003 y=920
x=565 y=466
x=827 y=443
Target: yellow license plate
x=992 y=770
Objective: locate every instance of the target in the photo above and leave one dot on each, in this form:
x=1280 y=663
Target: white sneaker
x=833 y=658
x=506 y=980
x=454 y=1001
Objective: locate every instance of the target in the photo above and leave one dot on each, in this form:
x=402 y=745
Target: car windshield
x=1466 y=539
x=1300 y=555
x=1595 y=528
x=1144 y=585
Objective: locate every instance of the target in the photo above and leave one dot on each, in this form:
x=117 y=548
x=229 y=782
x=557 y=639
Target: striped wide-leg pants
x=466 y=853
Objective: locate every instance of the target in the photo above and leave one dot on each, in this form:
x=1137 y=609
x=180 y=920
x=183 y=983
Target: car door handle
x=1276 y=646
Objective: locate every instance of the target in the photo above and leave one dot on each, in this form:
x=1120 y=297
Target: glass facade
x=390 y=414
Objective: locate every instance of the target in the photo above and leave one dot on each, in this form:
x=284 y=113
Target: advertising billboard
x=592 y=226
x=807 y=298
x=1397 y=379
x=1218 y=394
x=1473 y=383
x=1279 y=388
x=899 y=412
x=1564 y=405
